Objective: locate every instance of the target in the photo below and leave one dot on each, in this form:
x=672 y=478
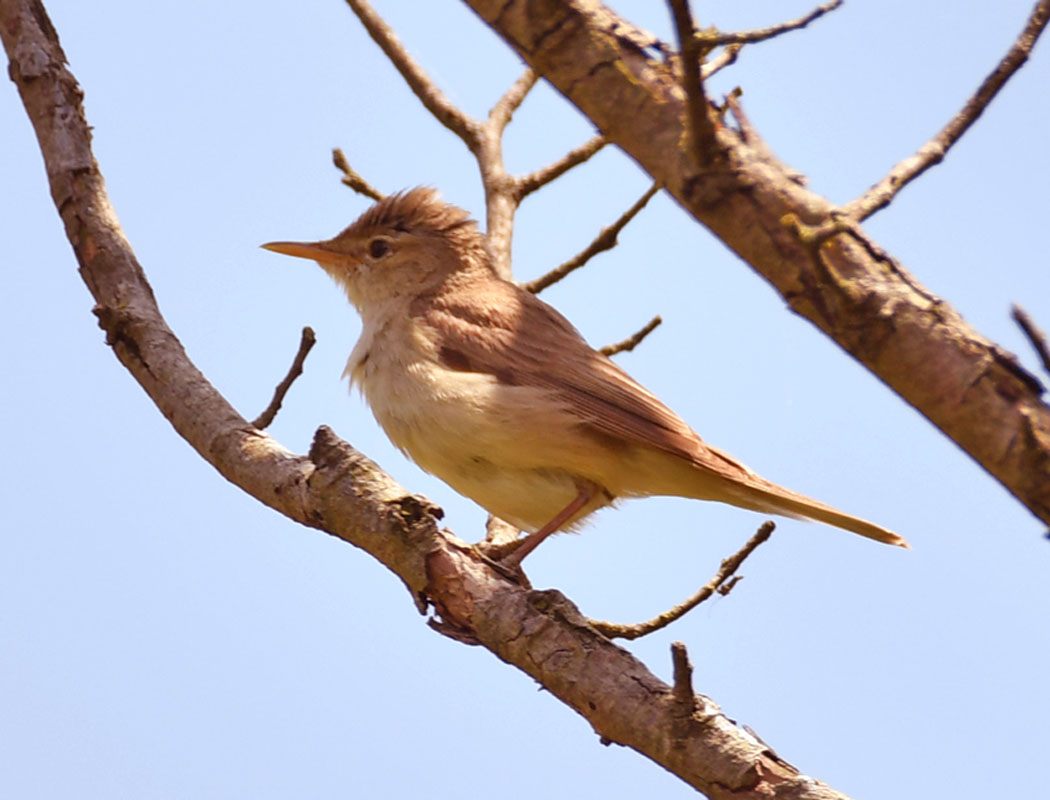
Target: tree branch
x=500 y=115
x=338 y=490
x=635 y=339
x=605 y=240
x=861 y=298
x=933 y=152
x=699 y=126
x=352 y=179
x=306 y=343
x=419 y=82
x=709 y=39
x=1034 y=335
x=527 y=184
x=616 y=630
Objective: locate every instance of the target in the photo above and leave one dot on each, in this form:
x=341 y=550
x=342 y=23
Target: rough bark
x=338 y=490
x=846 y=285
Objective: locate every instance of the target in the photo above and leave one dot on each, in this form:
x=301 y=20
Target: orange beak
x=316 y=251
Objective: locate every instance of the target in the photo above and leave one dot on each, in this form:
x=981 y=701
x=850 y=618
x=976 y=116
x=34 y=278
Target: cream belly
x=499 y=445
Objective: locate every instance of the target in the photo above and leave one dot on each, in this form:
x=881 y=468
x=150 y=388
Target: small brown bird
x=489 y=388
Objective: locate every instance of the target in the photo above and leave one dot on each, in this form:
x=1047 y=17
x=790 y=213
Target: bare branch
x=306 y=343
x=709 y=39
x=418 y=81
x=721 y=61
x=699 y=126
x=729 y=566
x=606 y=240
x=351 y=177
x=527 y=184
x=631 y=342
x=505 y=107
x=682 y=681
x=1034 y=335
x=933 y=152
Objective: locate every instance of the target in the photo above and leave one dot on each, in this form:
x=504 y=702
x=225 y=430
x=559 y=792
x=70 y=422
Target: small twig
x=505 y=107
x=721 y=61
x=1032 y=332
x=351 y=177
x=527 y=184
x=631 y=342
x=698 y=121
x=418 y=81
x=709 y=39
x=933 y=152
x=682 y=685
x=614 y=630
x=606 y=240
x=305 y=344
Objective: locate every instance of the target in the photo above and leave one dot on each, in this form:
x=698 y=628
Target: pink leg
x=533 y=540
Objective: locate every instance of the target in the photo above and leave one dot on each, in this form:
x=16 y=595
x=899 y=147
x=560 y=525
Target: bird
x=492 y=390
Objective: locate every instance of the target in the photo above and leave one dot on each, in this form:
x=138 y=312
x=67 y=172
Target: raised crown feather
x=414 y=210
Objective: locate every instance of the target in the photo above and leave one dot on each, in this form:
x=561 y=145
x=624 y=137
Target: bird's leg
x=585 y=493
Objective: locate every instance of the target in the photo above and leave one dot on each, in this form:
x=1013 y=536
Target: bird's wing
x=499 y=329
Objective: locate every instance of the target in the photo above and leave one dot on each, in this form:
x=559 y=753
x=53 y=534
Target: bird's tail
x=766 y=497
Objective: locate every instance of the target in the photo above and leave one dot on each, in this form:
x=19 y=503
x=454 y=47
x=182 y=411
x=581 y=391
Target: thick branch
x=855 y=292
x=338 y=490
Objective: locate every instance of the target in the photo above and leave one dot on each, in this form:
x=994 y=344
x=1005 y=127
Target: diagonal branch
x=1032 y=332
x=605 y=240
x=632 y=341
x=709 y=39
x=527 y=184
x=616 y=630
x=512 y=99
x=306 y=344
x=933 y=152
x=435 y=101
x=351 y=177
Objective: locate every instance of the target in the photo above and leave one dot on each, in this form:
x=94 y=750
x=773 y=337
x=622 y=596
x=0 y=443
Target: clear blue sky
x=162 y=635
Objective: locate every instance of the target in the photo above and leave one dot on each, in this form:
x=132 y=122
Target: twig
x=614 y=630
x=418 y=81
x=698 y=122
x=631 y=342
x=606 y=240
x=351 y=177
x=527 y=184
x=721 y=61
x=306 y=343
x=933 y=152
x=709 y=39
x=1034 y=335
x=505 y=107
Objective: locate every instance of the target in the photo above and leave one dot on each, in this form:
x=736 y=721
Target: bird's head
x=407 y=244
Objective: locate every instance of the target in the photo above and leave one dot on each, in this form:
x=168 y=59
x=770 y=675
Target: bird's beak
x=316 y=251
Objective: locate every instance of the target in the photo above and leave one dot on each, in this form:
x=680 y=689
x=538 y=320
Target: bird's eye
x=377 y=248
